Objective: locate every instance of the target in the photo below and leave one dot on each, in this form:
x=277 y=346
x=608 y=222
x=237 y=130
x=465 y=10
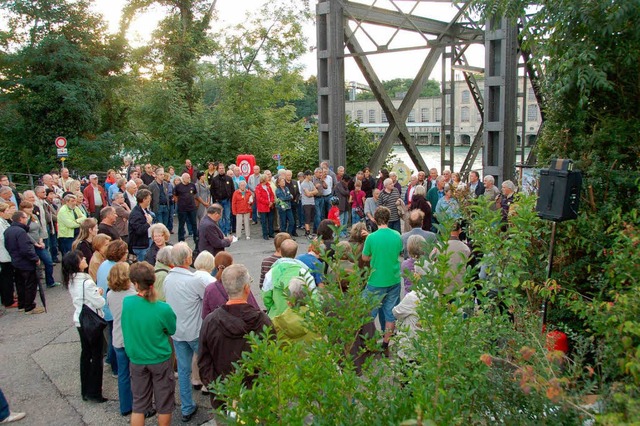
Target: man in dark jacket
x=222 y=336
x=222 y=189
x=140 y=220
x=211 y=237
x=476 y=188
x=24 y=260
x=160 y=198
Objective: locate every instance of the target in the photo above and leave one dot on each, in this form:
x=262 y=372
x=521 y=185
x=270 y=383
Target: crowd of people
x=161 y=314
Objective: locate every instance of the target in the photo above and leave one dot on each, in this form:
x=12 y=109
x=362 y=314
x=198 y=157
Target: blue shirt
x=314 y=264
x=102 y=282
x=113 y=189
x=237 y=180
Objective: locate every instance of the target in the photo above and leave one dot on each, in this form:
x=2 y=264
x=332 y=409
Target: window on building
x=383 y=117
x=372 y=116
x=466 y=96
x=447 y=118
x=438 y=115
x=532 y=112
x=412 y=116
x=531 y=94
x=424 y=115
x=360 y=116
x=465 y=115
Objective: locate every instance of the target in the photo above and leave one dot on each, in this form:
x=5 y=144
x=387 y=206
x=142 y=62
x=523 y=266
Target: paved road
x=40 y=356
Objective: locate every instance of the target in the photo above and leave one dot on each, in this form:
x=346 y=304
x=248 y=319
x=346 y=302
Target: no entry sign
x=61 y=142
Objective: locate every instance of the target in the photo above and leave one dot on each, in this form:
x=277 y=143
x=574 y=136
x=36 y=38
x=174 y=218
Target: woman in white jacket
x=84 y=291
x=7 y=287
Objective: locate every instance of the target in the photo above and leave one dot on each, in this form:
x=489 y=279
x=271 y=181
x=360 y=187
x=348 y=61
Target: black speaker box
x=559 y=191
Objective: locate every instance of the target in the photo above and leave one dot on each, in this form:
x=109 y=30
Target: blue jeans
x=140 y=253
x=225 y=221
x=162 y=215
x=184 y=355
x=111 y=359
x=4 y=407
x=65 y=245
x=286 y=221
x=172 y=211
x=299 y=215
x=395 y=225
x=189 y=218
x=344 y=222
x=355 y=218
x=45 y=258
x=52 y=245
x=124 y=381
x=387 y=298
x=266 y=220
x=319 y=202
x=254 y=211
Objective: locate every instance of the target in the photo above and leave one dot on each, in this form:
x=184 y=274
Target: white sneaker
x=14 y=417
x=248 y=238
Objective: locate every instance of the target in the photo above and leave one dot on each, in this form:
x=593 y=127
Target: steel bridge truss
x=341 y=22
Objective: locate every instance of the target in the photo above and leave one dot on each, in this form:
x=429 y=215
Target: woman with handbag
x=88 y=302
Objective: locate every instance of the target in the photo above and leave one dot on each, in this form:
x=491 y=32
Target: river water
x=431 y=155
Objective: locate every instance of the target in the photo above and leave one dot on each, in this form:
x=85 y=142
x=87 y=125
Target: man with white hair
x=40 y=244
x=47 y=182
x=408 y=195
x=184 y=292
x=506 y=199
x=65 y=179
x=95 y=197
x=130 y=194
x=6 y=196
x=491 y=191
x=223 y=336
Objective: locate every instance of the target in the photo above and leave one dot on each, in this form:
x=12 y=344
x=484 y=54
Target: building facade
x=424 y=120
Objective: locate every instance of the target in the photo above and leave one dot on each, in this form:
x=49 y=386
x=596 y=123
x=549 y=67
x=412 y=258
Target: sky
x=388 y=66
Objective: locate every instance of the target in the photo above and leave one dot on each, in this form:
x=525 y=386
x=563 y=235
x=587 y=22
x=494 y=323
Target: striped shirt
x=389 y=201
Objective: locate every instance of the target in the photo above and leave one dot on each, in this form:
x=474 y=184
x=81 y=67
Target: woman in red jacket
x=241 y=208
x=265 y=200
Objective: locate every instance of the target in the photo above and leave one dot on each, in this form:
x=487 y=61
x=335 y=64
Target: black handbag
x=91 y=324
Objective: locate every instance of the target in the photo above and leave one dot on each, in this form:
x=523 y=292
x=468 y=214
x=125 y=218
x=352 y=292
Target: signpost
x=61 y=146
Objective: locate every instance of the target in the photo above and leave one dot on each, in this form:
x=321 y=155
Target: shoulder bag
x=91 y=324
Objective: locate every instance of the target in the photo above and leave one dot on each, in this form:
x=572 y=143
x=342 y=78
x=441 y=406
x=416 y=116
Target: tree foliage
x=397 y=87
x=55 y=68
x=589 y=53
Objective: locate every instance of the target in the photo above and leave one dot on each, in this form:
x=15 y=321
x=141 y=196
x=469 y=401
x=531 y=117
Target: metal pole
x=545 y=304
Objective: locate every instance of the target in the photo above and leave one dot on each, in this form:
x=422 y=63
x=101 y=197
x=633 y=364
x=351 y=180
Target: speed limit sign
x=61 y=142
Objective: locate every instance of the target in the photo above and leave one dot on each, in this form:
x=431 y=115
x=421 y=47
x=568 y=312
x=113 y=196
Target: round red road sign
x=61 y=142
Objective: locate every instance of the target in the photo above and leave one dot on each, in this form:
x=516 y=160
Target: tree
x=399 y=86
x=180 y=40
x=589 y=53
x=307 y=106
x=54 y=68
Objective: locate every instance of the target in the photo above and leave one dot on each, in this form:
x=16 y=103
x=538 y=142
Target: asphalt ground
x=40 y=355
